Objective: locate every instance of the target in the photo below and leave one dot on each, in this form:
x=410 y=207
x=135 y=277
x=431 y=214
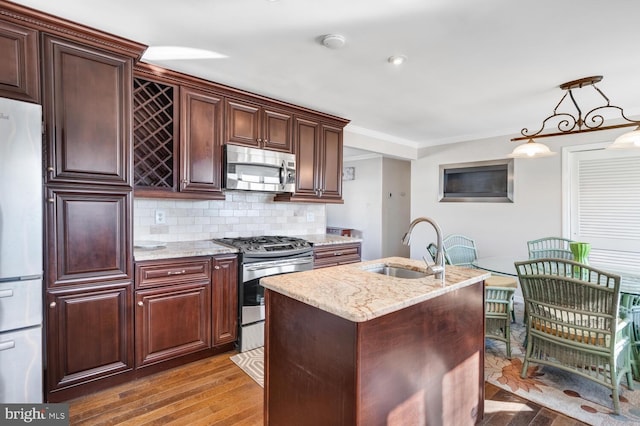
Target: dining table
x=629 y=294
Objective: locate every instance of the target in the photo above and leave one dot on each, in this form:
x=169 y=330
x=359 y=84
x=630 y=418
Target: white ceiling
x=475 y=69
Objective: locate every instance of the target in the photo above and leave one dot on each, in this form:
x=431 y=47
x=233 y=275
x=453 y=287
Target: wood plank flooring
x=214 y=391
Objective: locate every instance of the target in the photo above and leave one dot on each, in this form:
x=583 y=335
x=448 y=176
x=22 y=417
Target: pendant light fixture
x=575 y=122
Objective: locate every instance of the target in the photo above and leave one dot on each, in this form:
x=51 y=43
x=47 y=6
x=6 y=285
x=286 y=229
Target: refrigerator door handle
x=6 y=293
x=7 y=345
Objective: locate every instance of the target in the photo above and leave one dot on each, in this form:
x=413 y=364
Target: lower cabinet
x=172 y=321
x=336 y=254
x=89 y=334
x=225 y=299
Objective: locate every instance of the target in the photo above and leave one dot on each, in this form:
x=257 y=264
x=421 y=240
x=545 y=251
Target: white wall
x=500 y=229
x=396 y=206
x=362 y=206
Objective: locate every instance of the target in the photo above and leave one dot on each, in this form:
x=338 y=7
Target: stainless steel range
x=261 y=257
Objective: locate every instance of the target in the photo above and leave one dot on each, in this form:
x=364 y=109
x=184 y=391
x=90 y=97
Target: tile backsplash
x=240 y=214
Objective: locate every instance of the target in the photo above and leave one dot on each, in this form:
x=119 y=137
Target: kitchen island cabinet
x=346 y=346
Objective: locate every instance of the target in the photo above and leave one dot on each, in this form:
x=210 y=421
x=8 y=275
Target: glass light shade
x=629 y=140
x=531 y=149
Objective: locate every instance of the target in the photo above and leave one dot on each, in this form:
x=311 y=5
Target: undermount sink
x=397 y=272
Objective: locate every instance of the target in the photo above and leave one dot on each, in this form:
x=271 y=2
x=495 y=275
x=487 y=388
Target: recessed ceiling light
x=179 y=52
x=333 y=41
x=397 y=59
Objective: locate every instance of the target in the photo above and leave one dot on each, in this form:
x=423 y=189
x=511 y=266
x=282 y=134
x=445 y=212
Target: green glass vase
x=580 y=254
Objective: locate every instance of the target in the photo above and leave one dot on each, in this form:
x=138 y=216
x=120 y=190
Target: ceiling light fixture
x=159 y=53
x=333 y=41
x=397 y=59
x=572 y=123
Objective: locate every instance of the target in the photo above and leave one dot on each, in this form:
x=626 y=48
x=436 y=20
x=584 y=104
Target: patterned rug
x=569 y=394
x=252 y=363
x=549 y=387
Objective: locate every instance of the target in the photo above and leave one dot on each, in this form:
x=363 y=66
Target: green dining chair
x=573 y=322
x=552 y=247
x=497 y=314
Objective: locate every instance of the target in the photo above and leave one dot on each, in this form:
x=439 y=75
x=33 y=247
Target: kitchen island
x=348 y=346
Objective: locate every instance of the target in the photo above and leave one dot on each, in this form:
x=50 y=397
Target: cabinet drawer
x=159 y=273
x=338 y=254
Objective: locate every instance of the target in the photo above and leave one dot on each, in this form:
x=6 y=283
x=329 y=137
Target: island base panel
x=419 y=365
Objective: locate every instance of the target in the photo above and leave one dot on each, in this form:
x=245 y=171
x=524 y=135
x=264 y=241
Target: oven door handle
x=261 y=266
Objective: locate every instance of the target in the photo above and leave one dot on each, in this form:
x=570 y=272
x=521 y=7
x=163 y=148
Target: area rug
x=549 y=387
x=252 y=363
x=569 y=394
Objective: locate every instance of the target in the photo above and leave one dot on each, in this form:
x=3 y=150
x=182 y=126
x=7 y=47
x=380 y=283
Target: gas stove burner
x=266 y=243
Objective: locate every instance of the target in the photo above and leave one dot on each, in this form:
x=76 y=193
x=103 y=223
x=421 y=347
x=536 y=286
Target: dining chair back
x=573 y=321
x=552 y=247
x=460 y=250
x=497 y=313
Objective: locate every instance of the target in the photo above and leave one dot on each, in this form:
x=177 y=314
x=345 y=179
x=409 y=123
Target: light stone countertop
x=182 y=249
x=351 y=292
x=328 y=239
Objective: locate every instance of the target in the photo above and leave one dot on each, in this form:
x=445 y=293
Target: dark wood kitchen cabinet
x=172 y=308
x=89 y=336
x=177 y=130
x=336 y=254
x=87 y=107
x=318 y=148
x=225 y=299
x=19 y=67
x=258 y=126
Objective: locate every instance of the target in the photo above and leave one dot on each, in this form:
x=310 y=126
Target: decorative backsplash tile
x=240 y=214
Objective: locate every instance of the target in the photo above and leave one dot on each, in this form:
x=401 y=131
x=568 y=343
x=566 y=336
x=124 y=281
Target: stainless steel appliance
x=258 y=169
x=20 y=252
x=261 y=257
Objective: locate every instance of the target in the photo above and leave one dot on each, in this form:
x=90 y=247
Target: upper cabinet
x=87 y=94
x=258 y=126
x=19 y=67
x=318 y=147
x=177 y=136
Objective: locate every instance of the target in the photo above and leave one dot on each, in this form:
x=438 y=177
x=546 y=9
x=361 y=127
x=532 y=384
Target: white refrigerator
x=21 y=263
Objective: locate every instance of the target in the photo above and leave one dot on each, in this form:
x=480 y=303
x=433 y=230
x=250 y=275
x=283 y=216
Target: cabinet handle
x=176 y=272
x=337 y=253
x=50 y=200
x=52 y=304
x=6 y=293
x=140 y=303
x=216 y=267
x=185 y=181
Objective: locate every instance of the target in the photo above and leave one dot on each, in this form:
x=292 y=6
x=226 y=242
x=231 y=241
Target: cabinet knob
x=140 y=303
x=185 y=181
x=259 y=140
x=216 y=267
x=52 y=304
x=50 y=169
x=50 y=200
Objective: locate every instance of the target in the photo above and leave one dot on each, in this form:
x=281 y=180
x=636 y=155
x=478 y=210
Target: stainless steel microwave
x=252 y=169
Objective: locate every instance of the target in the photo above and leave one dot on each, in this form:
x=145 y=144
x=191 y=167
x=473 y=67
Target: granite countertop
x=351 y=292
x=181 y=249
x=328 y=239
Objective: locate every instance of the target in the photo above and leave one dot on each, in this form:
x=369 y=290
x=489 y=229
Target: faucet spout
x=438 y=268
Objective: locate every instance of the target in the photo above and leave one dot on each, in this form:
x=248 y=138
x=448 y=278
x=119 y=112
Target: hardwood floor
x=214 y=391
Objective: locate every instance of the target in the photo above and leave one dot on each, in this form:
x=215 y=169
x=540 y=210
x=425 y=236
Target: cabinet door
x=243 y=123
x=307 y=137
x=225 y=300
x=172 y=321
x=87 y=99
x=331 y=163
x=88 y=236
x=277 y=130
x=89 y=334
x=19 y=67
x=200 y=147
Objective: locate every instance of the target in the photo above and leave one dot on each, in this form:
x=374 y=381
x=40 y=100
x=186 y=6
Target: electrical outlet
x=161 y=217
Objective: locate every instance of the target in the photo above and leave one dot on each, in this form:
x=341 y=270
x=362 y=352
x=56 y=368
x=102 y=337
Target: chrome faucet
x=437 y=268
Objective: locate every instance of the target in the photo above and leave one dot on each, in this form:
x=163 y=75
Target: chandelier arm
x=603 y=95
x=587 y=130
x=578 y=120
x=565 y=125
